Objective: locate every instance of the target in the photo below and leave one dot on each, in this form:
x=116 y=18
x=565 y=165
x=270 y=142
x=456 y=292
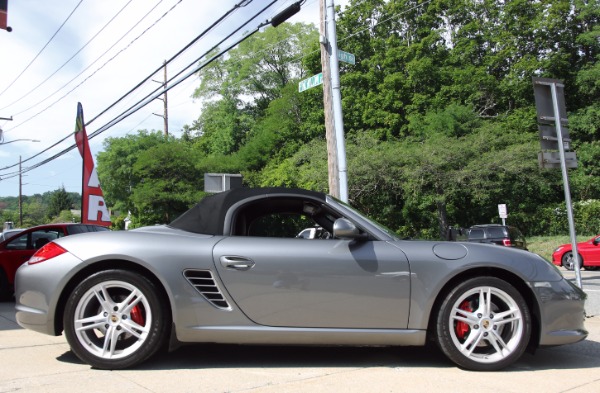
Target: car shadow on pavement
x=212 y=356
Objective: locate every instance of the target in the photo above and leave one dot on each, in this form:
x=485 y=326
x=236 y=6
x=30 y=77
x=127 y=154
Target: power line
x=71 y=58
x=98 y=69
x=41 y=50
x=88 y=67
x=148 y=98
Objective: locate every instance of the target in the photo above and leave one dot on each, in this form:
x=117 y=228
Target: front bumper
x=562 y=312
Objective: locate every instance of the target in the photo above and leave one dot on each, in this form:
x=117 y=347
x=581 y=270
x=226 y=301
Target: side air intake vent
x=204 y=283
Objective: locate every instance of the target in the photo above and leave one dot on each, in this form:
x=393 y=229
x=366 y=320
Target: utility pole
x=20 y=195
x=333 y=102
x=165 y=114
x=332 y=159
x=166 y=106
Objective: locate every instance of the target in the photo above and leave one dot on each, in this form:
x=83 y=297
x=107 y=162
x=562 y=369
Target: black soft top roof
x=208 y=215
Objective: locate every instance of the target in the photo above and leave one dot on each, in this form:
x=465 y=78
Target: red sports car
x=18 y=248
x=589 y=254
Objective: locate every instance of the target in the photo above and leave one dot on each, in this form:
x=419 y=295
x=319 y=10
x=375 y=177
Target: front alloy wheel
x=484 y=324
x=115 y=320
x=568 y=261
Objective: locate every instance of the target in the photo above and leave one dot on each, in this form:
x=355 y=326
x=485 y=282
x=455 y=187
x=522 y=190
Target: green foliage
x=439 y=117
x=169 y=182
x=60 y=201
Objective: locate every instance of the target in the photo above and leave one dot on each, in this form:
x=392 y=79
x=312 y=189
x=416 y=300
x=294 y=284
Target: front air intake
x=204 y=283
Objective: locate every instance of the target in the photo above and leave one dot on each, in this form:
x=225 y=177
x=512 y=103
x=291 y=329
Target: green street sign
x=313 y=81
x=346 y=57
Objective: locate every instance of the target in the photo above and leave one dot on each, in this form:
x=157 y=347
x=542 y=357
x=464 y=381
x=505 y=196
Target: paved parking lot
x=32 y=362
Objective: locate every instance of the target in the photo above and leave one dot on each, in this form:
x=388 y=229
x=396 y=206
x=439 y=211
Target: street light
x=17 y=140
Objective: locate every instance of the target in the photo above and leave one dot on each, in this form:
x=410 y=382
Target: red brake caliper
x=137 y=316
x=462 y=328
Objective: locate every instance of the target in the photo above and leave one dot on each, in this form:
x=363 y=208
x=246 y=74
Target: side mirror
x=346 y=230
x=596 y=241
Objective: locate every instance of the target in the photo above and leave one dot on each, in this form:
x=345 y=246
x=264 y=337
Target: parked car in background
x=5 y=235
x=588 y=251
x=232 y=270
x=16 y=250
x=502 y=235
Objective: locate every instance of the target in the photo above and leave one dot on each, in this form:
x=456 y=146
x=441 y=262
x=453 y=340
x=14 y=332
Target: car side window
x=42 y=237
x=279 y=225
x=284 y=217
x=18 y=243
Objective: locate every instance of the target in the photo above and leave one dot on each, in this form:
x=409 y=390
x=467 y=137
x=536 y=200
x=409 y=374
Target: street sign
x=502 y=212
x=543 y=100
x=313 y=81
x=551 y=159
x=548 y=138
x=346 y=57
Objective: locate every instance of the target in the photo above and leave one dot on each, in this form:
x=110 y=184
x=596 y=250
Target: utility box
x=219 y=182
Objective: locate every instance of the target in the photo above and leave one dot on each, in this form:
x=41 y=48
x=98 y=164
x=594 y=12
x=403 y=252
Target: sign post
x=503 y=213
x=552 y=111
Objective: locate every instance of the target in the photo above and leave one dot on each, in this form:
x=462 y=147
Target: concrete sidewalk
x=34 y=362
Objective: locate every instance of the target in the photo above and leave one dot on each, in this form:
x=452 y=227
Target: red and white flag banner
x=4 y=15
x=93 y=207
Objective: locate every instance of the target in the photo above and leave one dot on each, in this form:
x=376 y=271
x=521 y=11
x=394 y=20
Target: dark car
x=17 y=249
x=231 y=270
x=8 y=233
x=502 y=235
x=588 y=251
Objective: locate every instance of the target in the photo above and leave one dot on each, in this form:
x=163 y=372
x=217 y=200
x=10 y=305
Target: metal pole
x=20 y=195
x=565 y=175
x=336 y=96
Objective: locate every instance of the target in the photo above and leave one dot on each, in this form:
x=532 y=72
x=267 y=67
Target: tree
x=115 y=167
x=260 y=66
x=60 y=200
x=170 y=183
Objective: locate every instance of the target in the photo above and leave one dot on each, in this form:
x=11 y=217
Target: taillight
x=49 y=251
x=507 y=242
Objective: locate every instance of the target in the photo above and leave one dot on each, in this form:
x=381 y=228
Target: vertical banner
x=4 y=15
x=93 y=207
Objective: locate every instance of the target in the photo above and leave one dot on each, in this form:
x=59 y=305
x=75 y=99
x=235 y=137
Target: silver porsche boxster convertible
x=233 y=270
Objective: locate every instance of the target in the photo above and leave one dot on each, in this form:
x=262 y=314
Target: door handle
x=236 y=263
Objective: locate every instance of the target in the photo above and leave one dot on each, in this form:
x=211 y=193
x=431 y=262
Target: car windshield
x=344 y=207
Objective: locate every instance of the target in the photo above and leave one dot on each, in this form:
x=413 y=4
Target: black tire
x=568 y=262
x=488 y=336
x=97 y=310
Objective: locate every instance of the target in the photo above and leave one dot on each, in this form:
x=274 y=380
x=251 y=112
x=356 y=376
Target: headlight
x=558 y=249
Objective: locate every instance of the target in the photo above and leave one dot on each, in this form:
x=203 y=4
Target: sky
x=103 y=50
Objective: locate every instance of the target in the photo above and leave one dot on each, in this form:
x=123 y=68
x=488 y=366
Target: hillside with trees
x=49 y=207
x=439 y=117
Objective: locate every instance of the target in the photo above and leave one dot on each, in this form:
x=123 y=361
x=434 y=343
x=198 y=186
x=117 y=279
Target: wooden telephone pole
x=165 y=114
x=332 y=100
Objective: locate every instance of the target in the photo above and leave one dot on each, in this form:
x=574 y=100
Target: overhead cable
x=144 y=101
x=41 y=50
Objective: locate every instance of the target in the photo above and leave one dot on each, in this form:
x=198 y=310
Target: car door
x=316 y=283
x=590 y=252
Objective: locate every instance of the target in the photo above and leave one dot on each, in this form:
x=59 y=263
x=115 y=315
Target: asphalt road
x=33 y=362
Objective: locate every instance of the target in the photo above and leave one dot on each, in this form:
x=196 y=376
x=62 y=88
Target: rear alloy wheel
x=114 y=320
x=483 y=324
